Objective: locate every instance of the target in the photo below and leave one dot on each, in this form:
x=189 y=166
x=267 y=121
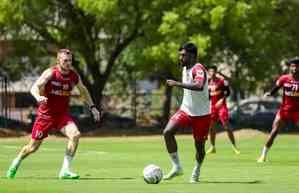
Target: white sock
x=67 y=162
x=16 y=162
x=175 y=160
x=265 y=151
x=196 y=169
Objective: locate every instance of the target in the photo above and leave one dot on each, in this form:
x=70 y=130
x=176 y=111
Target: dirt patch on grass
x=243 y=133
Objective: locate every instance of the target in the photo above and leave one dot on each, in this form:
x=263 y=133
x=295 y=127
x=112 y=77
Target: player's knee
x=168 y=132
x=76 y=135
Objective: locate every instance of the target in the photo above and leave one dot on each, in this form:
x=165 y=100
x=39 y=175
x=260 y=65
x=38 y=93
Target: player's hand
x=267 y=94
x=171 y=82
x=42 y=99
x=96 y=114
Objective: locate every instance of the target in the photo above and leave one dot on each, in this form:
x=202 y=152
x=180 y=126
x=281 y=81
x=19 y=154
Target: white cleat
x=236 y=151
x=262 y=159
x=194 y=179
x=173 y=173
x=65 y=174
x=194 y=176
x=211 y=150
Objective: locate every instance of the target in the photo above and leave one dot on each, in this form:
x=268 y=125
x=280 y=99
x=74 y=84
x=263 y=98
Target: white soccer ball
x=152 y=174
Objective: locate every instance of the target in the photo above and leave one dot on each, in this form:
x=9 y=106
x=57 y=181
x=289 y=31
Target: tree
x=98 y=31
x=253 y=35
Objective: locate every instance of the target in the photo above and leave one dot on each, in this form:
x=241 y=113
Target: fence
x=138 y=108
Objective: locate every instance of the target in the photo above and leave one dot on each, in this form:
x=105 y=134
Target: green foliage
x=257 y=34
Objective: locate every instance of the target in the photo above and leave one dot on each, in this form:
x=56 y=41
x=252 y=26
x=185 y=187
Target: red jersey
x=58 y=91
x=290 y=99
x=217 y=88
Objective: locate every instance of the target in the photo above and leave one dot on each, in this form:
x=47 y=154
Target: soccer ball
x=152 y=174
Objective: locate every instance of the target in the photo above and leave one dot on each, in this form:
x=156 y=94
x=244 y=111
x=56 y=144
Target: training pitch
x=115 y=164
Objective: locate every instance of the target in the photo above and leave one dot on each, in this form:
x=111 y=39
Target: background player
x=219 y=90
x=194 y=111
x=52 y=91
x=289 y=108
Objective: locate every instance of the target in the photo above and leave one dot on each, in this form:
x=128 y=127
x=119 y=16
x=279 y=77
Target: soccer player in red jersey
x=219 y=90
x=194 y=111
x=289 y=108
x=52 y=91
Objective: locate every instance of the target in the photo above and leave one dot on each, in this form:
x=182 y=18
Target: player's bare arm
x=226 y=94
x=273 y=91
x=226 y=91
x=38 y=87
x=87 y=98
x=191 y=86
x=196 y=85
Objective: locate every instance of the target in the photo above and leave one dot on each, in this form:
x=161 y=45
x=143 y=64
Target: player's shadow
x=111 y=178
x=81 y=178
x=223 y=182
x=231 y=182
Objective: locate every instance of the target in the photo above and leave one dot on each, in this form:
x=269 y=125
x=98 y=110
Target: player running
x=194 y=111
x=289 y=108
x=219 y=90
x=52 y=91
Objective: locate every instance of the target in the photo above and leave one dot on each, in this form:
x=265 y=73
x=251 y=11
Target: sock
x=175 y=160
x=16 y=162
x=67 y=162
x=196 y=169
x=265 y=151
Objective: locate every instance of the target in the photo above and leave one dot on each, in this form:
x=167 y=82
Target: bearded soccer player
x=194 y=111
x=219 y=90
x=52 y=92
x=289 y=108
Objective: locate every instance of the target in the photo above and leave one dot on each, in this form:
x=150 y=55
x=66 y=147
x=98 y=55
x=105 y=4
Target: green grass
x=113 y=165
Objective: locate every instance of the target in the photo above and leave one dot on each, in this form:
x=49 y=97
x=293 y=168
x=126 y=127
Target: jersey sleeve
x=280 y=81
x=198 y=74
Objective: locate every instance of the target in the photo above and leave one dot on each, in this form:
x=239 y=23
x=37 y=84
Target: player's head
x=212 y=71
x=188 y=54
x=64 y=60
x=294 y=65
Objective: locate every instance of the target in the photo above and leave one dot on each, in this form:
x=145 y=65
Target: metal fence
x=17 y=109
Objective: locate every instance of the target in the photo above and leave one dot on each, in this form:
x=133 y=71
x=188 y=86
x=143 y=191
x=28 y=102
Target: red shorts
x=288 y=116
x=42 y=126
x=220 y=114
x=199 y=124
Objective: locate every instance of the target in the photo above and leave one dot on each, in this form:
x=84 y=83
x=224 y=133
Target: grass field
x=115 y=165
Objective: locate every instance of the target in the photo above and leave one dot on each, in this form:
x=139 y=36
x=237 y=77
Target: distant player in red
x=52 y=91
x=219 y=90
x=289 y=108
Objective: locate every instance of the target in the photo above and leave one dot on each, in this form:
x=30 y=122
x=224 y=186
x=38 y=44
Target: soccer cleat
x=236 y=150
x=173 y=173
x=64 y=174
x=11 y=172
x=194 y=177
x=211 y=150
x=262 y=159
